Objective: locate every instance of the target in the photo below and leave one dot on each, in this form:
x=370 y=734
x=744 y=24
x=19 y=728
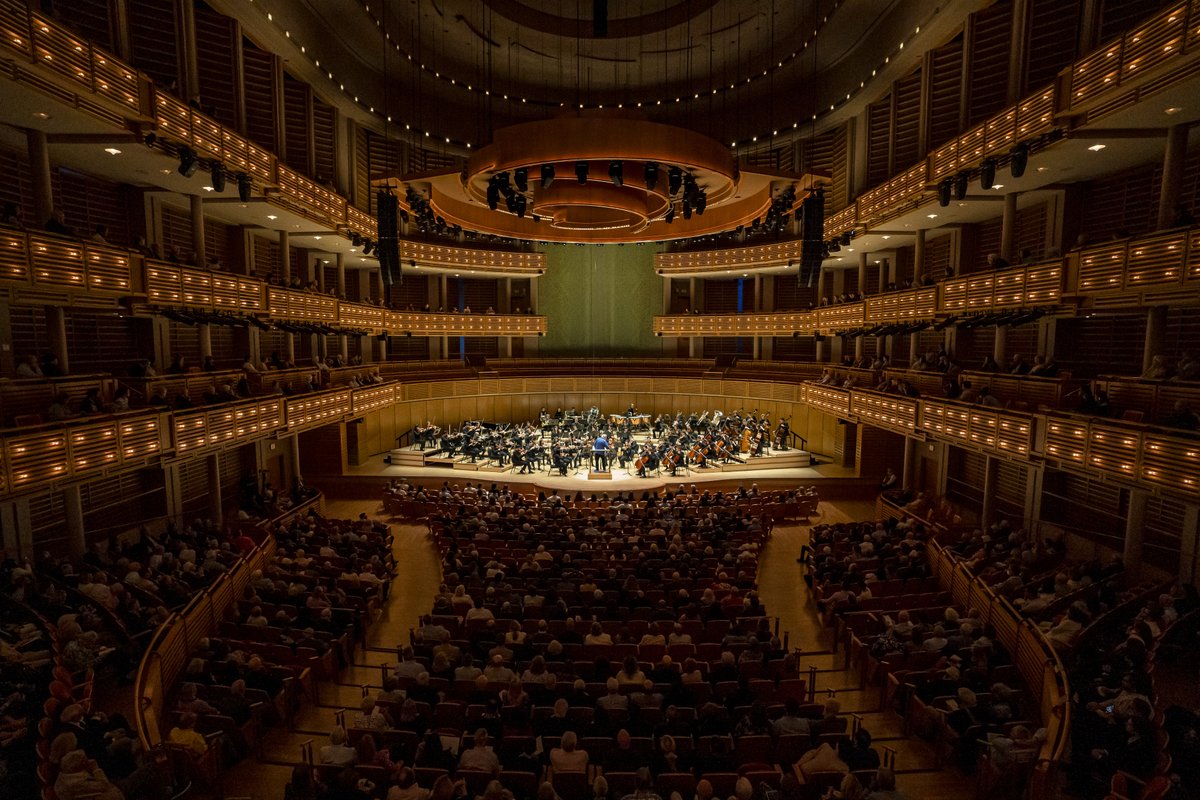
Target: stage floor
x=621 y=480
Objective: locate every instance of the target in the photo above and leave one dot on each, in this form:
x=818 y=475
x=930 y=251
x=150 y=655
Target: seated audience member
x=338 y=752
x=1159 y=369
x=79 y=777
x=185 y=733
x=480 y=756
x=567 y=757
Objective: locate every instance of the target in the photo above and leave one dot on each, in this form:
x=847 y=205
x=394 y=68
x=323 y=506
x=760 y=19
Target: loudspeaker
x=387 y=247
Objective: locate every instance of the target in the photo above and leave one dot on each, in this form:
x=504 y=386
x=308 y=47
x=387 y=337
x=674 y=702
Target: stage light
x=670 y=217
x=616 y=171
x=834 y=247
x=943 y=190
x=1020 y=159
x=520 y=206
x=846 y=237
x=987 y=174
x=217 y=173
x=547 y=175
x=245 y=187
x=960 y=185
x=701 y=203
x=188 y=163
x=368 y=246
x=581 y=171
x=521 y=179
x=356 y=239
x=651 y=176
x=675 y=180
x=493 y=196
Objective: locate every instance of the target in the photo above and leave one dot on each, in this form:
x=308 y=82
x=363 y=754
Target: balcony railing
x=487 y=261
x=762 y=255
x=776 y=323
x=43 y=261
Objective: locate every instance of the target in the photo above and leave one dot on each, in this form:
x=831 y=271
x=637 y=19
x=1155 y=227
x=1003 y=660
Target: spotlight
x=217 y=173
x=245 y=187
x=493 y=196
x=651 y=176
x=581 y=171
x=834 y=247
x=687 y=210
x=675 y=180
x=944 y=189
x=150 y=139
x=368 y=246
x=987 y=174
x=670 y=217
x=356 y=239
x=616 y=171
x=521 y=179
x=1020 y=159
x=547 y=175
x=520 y=203
x=404 y=216
x=701 y=203
x=188 y=163
x=846 y=237
x=960 y=185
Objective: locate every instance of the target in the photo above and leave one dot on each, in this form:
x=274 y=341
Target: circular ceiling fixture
x=602 y=176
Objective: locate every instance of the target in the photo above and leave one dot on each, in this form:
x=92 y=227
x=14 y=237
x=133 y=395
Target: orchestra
x=566 y=441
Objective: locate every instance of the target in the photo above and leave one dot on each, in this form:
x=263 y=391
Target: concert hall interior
x=640 y=400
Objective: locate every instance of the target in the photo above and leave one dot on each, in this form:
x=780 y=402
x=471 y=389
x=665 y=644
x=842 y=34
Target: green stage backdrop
x=600 y=300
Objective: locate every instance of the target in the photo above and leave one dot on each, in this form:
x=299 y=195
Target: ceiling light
x=112 y=151
x=272 y=216
x=317 y=238
x=1096 y=148
x=887 y=237
x=41 y=115
x=998 y=186
x=932 y=216
x=209 y=189
x=1172 y=111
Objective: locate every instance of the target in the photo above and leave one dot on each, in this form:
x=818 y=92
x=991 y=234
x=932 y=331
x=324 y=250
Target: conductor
x=600 y=454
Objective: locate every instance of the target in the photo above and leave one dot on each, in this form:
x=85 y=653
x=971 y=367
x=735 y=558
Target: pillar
x=504 y=298
x=215 y=511
x=1047 y=333
x=860 y=142
x=666 y=294
x=173 y=492
x=365 y=349
x=204 y=331
x=56 y=333
x=862 y=274
x=383 y=348
x=285 y=257
x=919 y=257
x=1172 y=174
x=1135 y=524
x=695 y=347
x=989 y=491
x=1018 y=44
x=294 y=456
x=533 y=294
x=120 y=29
x=1156 y=327
x=73 y=509
x=756 y=347
x=39 y=167
x=198 y=246
x=758 y=292
x=909 y=474
x=190 y=79
x=768 y=301
x=696 y=295
x=340 y=262
x=1189 y=545
x=913 y=349
x=1008 y=228
x=998 y=345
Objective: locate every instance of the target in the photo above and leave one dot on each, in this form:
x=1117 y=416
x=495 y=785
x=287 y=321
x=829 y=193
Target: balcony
x=67 y=267
x=776 y=323
x=714 y=261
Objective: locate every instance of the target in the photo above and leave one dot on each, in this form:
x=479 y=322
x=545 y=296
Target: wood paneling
x=879 y=134
x=215 y=41
x=297 y=120
x=152 y=35
x=945 y=98
x=325 y=140
x=907 y=122
x=258 y=69
x=1108 y=345
x=1053 y=41
x=989 y=57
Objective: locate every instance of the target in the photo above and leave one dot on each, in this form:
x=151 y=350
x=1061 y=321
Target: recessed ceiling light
x=1096 y=148
x=932 y=216
x=353 y=249
x=209 y=189
x=41 y=115
x=1042 y=169
x=317 y=238
x=1172 y=111
x=998 y=186
x=165 y=171
x=849 y=249
x=887 y=237
x=112 y=151
x=272 y=216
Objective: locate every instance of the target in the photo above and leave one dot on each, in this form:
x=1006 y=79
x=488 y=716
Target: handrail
x=167 y=652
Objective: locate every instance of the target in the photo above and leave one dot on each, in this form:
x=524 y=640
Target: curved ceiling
x=731 y=69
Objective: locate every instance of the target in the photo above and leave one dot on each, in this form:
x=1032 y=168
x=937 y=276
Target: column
x=695 y=347
x=1135 y=525
x=172 y=492
x=204 y=331
x=39 y=166
x=190 y=78
x=1189 y=544
x=989 y=491
x=294 y=455
x=1156 y=327
x=56 y=333
x=1047 y=333
x=913 y=348
x=215 y=510
x=758 y=292
x=666 y=295
x=859 y=341
x=8 y=358
x=340 y=262
x=998 y=345
x=318 y=265
x=909 y=474
x=285 y=257
x=120 y=29
x=73 y=508
x=383 y=348
x=531 y=342
x=1033 y=495
x=1008 y=228
x=1172 y=174
x=919 y=257
x=1018 y=45
x=365 y=350
x=858 y=154
x=198 y=246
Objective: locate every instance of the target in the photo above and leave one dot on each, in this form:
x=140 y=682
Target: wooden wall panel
x=215 y=52
x=989 y=62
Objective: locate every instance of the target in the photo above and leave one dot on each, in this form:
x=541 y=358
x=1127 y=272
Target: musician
x=600 y=454
x=560 y=459
x=631 y=412
x=649 y=461
x=781 y=435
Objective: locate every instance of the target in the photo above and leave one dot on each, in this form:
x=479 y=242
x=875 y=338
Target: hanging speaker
x=1020 y=159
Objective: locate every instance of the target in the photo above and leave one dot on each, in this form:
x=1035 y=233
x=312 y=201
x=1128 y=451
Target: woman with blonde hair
x=567 y=757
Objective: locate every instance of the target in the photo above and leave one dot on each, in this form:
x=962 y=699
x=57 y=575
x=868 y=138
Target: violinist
x=560 y=459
